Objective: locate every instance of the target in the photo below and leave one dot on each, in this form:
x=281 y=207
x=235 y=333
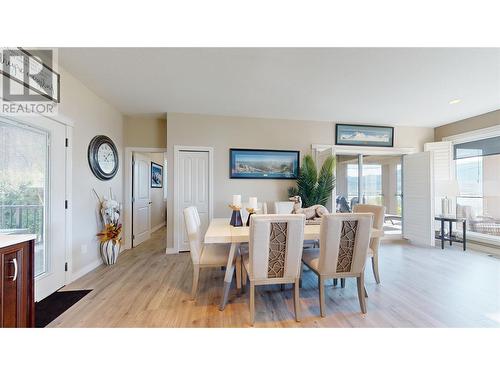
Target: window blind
x=482 y=147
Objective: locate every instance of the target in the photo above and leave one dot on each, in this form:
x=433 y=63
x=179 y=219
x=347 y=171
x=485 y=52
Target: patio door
x=33 y=194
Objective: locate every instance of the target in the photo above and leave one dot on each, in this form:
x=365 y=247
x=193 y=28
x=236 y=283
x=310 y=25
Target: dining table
x=221 y=232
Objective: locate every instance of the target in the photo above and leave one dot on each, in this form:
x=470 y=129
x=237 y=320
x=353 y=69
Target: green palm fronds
x=314 y=188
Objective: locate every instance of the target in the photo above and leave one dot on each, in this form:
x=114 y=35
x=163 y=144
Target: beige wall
x=91 y=116
x=473 y=123
x=145 y=131
x=223 y=133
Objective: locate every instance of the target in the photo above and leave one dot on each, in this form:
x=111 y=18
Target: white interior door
x=33 y=187
x=418 y=198
x=141 y=223
x=193 y=191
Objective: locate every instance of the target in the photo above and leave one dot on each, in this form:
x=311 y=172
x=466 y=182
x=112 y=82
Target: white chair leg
x=252 y=302
x=375 y=267
x=321 y=287
x=196 y=274
x=361 y=292
x=296 y=300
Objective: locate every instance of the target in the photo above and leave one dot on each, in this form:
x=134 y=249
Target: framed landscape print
x=156 y=175
x=271 y=164
x=364 y=135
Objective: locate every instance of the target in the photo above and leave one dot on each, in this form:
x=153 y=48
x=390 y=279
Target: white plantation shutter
x=418 y=202
x=442 y=155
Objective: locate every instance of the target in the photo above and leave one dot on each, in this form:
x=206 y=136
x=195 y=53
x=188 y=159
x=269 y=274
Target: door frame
x=177 y=150
x=36 y=121
x=127 y=208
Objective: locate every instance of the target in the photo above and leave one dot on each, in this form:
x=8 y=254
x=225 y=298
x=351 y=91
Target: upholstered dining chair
x=344 y=240
x=274 y=254
x=202 y=255
x=378 y=223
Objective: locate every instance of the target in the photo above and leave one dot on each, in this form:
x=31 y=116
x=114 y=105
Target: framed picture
x=364 y=135
x=263 y=164
x=156 y=175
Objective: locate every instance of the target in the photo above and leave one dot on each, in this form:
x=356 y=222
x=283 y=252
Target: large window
x=478 y=177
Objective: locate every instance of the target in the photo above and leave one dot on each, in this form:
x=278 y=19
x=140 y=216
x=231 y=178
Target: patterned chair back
x=344 y=240
x=193 y=229
x=275 y=247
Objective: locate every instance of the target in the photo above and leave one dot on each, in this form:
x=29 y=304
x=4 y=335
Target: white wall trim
x=177 y=150
x=350 y=150
x=127 y=198
x=85 y=270
x=475 y=135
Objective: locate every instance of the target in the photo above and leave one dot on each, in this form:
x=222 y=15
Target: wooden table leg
x=228 y=278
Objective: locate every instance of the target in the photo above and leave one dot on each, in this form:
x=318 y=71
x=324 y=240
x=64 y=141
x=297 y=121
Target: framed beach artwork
x=156 y=175
x=263 y=164
x=364 y=135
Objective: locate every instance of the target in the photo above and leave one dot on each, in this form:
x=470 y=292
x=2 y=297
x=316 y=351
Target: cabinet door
x=14 y=292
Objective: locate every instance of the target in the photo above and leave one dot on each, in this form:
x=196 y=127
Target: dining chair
x=274 y=254
x=344 y=240
x=261 y=209
x=202 y=255
x=378 y=223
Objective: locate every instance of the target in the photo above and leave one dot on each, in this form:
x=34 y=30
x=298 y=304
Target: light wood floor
x=420 y=288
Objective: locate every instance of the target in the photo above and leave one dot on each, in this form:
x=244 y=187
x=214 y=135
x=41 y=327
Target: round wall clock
x=103 y=157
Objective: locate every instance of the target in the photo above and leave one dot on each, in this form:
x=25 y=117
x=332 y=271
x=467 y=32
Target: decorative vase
x=109 y=251
x=251 y=211
x=236 y=219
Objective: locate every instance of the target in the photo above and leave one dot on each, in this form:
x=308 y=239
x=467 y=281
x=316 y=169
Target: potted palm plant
x=314 y=187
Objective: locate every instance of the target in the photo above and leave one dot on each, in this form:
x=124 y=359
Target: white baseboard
x=156 y=227
x=85 y=270
x=171 y=250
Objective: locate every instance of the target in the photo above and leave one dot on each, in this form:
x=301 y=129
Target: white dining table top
x=220 y=231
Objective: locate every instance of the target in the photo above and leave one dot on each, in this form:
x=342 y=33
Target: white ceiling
x=398 y=86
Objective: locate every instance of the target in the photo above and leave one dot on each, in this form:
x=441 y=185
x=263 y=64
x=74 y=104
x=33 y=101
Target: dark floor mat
x=54 y=305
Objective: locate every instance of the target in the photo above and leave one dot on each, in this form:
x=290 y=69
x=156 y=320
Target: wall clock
x=103 y=157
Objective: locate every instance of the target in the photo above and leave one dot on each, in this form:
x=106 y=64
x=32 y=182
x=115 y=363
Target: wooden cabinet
x=17 y=307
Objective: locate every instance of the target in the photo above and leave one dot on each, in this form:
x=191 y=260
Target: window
x=372 y=177
x=478 y=177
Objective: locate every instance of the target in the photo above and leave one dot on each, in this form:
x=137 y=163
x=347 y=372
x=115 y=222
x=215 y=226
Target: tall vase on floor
x=110 y=250
x=110 y=236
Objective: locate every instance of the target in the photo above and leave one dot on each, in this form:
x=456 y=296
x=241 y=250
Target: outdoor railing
x=22 y=219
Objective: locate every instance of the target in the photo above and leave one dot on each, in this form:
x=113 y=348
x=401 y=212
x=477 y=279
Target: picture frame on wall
x=264 y=164
x=364 y=135
x=156 y=175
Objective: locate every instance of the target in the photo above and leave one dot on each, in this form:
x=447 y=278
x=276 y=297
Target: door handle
x=150 y=202
x=14 y=261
